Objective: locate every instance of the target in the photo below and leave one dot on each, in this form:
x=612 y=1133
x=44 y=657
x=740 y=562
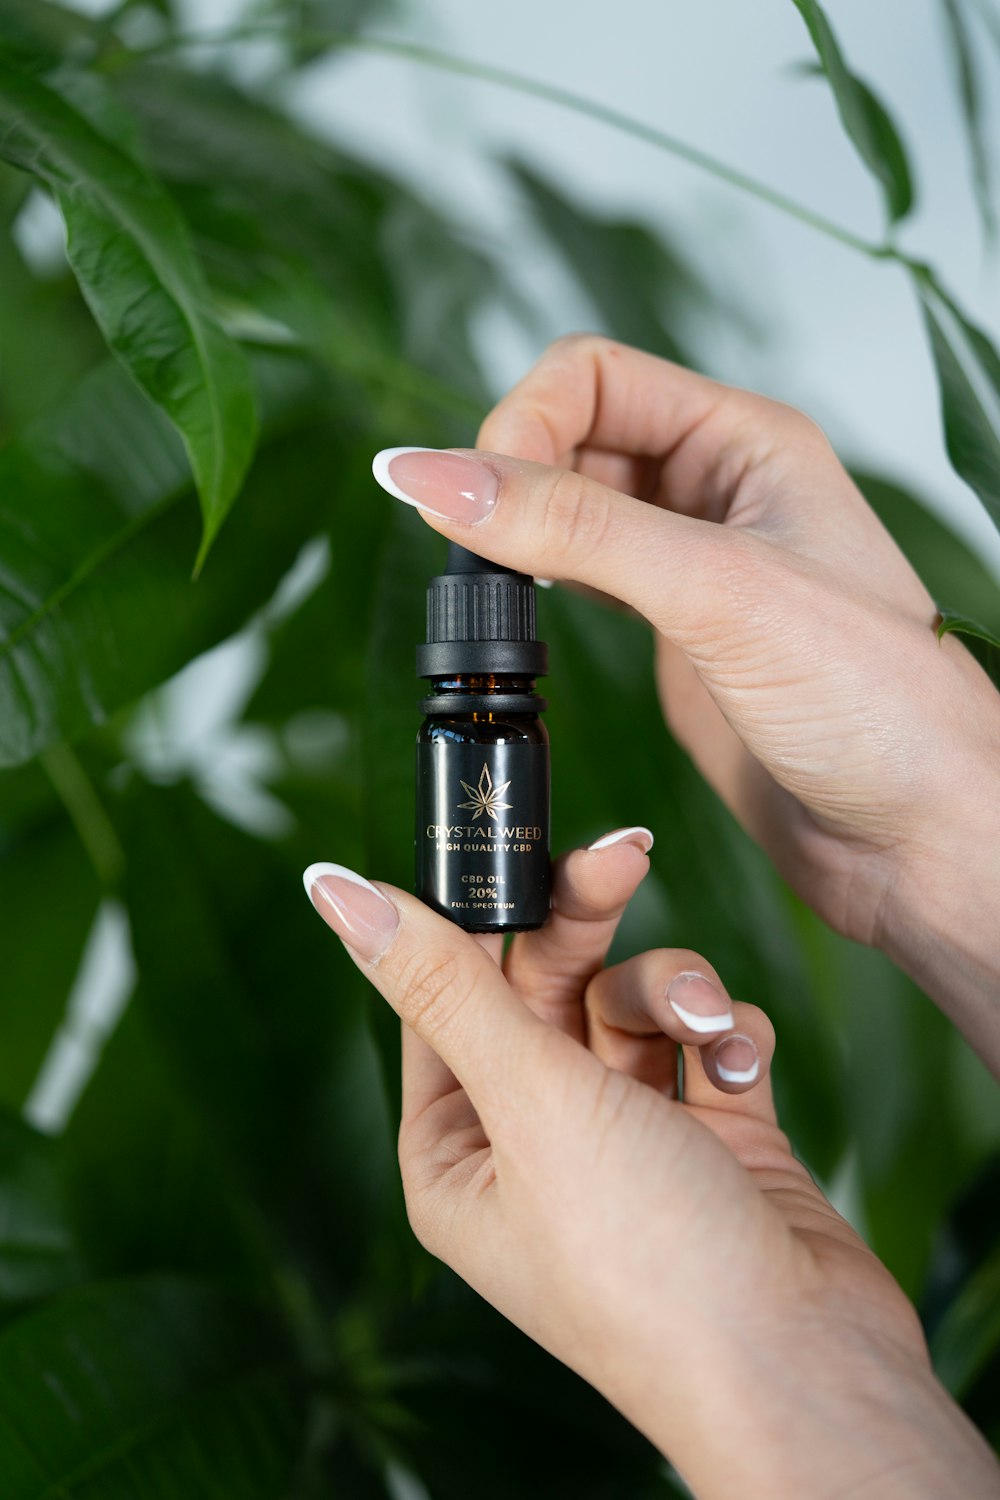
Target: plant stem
x=550 y=93
x=76 y=792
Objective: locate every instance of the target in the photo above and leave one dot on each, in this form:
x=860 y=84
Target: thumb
x=558 y=524
x=445 y=986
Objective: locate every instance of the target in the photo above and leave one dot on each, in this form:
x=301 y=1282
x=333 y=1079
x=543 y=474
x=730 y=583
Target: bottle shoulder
x=467 y=729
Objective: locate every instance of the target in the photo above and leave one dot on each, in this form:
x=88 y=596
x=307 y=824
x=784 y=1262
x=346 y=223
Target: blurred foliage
x=203 y=1248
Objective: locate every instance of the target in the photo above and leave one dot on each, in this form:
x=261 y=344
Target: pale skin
x=674 y=1252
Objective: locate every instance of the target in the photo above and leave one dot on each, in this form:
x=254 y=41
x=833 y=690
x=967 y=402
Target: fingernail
x=640 y=837
x=699 y=1003
x=442 y=483
x=358 y=913
x=741 y=1063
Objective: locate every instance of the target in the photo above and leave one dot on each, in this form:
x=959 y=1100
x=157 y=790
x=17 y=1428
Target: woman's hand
x=797 y=659
x=674 y=1254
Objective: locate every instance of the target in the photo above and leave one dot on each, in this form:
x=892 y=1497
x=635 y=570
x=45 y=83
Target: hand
x=675 y=1255
x=796 y=654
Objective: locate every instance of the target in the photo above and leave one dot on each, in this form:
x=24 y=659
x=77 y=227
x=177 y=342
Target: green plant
x=206 y=1280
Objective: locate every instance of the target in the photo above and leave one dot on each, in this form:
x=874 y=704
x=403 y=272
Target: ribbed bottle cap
x=480 y=619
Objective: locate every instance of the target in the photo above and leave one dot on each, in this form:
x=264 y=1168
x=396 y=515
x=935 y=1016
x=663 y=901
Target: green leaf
x=41 y=33
x=137 y=1391
x=950 y=569
x=134 y=1127
x=968 y=370
x=278 y=1064
x=986 y=645
x=864 y=117
x=970 y=95
x=130 y=251
x=965 y=626
x=39 y=957
x=98 y=603
x=265 y=201
x=39 y=1253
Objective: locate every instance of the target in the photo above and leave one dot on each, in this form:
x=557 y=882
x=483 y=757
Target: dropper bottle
x=482 y=826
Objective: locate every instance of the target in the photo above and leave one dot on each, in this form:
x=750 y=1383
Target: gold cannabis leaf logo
x=485 y=797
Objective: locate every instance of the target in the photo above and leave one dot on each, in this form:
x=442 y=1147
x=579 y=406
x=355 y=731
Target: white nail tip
x=620 y=835
x=315 y=872
x=737 y=1075
x=380 y=469
x=703 y=1024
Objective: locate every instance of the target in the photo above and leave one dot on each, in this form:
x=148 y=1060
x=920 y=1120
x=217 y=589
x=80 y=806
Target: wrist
x=832 y=1414
x=938 y=920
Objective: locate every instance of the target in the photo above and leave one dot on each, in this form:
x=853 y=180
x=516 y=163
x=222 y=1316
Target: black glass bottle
x=482 y=824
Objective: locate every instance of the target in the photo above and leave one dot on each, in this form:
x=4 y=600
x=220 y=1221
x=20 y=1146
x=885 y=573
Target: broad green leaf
x=150 y=1189
x=403 y=287
x=41 y=33
x=39 y=957
x=970 y=95
x=260 y=1021
x=864 y=117
x=968 y=370
x=39 y=1252
x=952 y=572
x=965 y=626
x=550 y=1434
x=130 y=251
x=147 y=1389
x=95 y=541
x=47 y=337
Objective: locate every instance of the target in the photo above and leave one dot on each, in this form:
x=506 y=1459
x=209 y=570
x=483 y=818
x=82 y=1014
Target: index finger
x=588 y=390
x=641 y=424
x=447 y=988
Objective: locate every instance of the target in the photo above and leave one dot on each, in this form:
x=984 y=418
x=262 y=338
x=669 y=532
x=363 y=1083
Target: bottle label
x=483 y=832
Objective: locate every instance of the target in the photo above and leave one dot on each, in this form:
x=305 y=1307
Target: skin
x=673 y=1252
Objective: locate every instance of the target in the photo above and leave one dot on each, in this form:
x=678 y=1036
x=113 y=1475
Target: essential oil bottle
x=482 y=827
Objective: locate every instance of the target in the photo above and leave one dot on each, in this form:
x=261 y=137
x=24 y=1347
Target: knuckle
x=577 y=517
x=433 y=989
x=424 y=1222
x=578 y=345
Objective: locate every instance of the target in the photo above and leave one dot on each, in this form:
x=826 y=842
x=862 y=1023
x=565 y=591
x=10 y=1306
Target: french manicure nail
x=358 y=913
x=450 y=485
x=699 y=1002
x=741 y=1064
x=640 y=837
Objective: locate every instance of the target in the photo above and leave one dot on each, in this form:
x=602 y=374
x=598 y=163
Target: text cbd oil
x=482 y=830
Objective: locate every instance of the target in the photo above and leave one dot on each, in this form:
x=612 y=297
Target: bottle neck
x=490 y=693
x=482 y=684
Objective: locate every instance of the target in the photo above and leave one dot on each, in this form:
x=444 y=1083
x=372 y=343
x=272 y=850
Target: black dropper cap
x=480 y=620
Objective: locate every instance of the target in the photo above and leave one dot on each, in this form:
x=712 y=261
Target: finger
x=591 y=392
x=426 y=1078
x=446 y=988
x=645 y=425
x=733 y=1072
x=591 y=888
x=682 y=574
x=640 y=1010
